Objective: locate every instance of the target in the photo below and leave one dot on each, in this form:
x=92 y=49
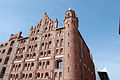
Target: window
x=39 y=63
x=30 y=75
x=68 y=44
x=75 y=67
x=59 y=64
x=46 y=29
x=74 y=24
x=9 y=51
x=12 y=43
x=3 y=51
x=38 y=74
x=6 y=44
x=42 y=75
x=68 y=69
x=2 y=72
x=6 y=60
x=48 y=62
x=55 y=74
x=75 y=53
x=61 y=50
x=74 y=42
x=57 y=51
x=0 y=60
x=60 y=74
x=46 y=74
x=32 y=64
x=49 y=52
x=68 y=14
x=68 y=25
x=68 y=55
x=73 y=14
x=68 y=34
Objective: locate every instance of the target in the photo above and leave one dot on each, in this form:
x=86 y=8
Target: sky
x=98 y=24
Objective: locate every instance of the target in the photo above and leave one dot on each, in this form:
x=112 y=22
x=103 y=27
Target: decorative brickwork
x=49 y=53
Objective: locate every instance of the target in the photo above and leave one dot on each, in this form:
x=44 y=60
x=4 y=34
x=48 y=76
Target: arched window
x=42 y=75
x=25 y=64
x=3 y=72
x=30 y=75
x=59 y=64
x=73 y=14
x=0 y=60
x=60 y=74
x=49 y=52
x=9 y=51
x=32 y=64
x=55 y=74
x=3 y=51
x=6 y=60
x=46 y=74
x=23 y=75
x=57 y=51
x=6 y=44
x=12 y=43
x=40 y=63
x=34 y=54
x=48 y=63
x=38 y=75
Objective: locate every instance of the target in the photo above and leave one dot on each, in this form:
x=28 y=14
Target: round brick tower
x=71 y=71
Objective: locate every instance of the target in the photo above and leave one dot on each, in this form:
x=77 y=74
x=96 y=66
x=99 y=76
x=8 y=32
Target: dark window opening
x=68 y=14
x=68 y=69
x=3 y=51
x=9 y=51
x=59 y=64
x=12 y=43
x=6 y=60
x=75 y=66
x=2 y=72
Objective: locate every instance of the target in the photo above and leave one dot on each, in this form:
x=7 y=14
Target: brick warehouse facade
x=47 y=53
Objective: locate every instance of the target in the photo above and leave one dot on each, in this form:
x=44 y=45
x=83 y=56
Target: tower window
x=68 y=14
x=73 y=14
x=68 y=55
x=75 y=66
x=75 y=53
x=0 y=59
x=68 y=34
x=68 y=69
x=68 y=44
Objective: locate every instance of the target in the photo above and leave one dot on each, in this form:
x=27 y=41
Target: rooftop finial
x=69 y=8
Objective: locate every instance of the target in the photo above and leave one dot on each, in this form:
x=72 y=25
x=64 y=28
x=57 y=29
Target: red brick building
x=49 y=53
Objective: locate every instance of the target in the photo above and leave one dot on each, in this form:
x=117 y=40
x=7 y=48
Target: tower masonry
x=48 y=52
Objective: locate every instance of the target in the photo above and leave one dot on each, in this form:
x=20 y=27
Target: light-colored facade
x=51 y=53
